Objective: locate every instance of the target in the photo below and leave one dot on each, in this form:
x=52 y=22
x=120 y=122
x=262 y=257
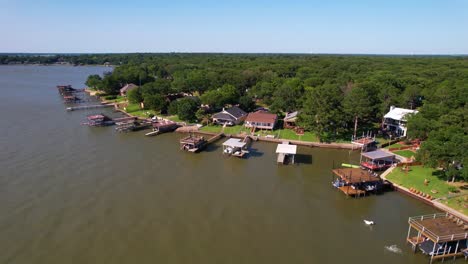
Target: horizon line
x=239 y=53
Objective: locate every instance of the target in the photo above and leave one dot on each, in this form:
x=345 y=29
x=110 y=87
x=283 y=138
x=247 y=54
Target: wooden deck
x=441 y=229
x=355 y=175
x=351 y=192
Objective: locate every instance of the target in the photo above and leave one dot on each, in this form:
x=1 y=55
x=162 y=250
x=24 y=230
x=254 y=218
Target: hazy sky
x=362 y=26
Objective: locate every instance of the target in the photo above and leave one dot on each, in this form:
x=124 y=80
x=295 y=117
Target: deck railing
x=414 y=221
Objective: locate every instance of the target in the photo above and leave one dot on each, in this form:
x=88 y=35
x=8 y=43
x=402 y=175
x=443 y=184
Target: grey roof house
x=230 y=116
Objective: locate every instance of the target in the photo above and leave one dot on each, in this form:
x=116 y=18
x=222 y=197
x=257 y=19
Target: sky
x=255 y=26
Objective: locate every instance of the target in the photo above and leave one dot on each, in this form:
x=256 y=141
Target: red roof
x=261 y=117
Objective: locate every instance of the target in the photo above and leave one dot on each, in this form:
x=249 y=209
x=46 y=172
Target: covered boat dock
x=286 y=151
x=356 y=181
x=439 y=235
x=377 y=160
x=235 y=147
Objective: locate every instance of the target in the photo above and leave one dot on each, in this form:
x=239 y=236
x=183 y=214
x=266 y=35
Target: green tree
x=246 y=103
x=187 y=108
x=134 y=96
x=155 y=102
x=93 y=81
x=322 y=111
x=359 y=105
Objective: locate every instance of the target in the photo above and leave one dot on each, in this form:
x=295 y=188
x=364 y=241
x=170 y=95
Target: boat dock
x=193 y=143
x=286 y=153
x=162 y=126
x=356 y=182
x=85 y=107
x=439 y=235
x=236 y=147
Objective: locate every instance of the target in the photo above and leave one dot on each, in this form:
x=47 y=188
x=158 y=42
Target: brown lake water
x=74 y=194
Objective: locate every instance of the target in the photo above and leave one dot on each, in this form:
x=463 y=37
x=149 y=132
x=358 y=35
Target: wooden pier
x=356 y=182
x=85 y=107
x=194 y=143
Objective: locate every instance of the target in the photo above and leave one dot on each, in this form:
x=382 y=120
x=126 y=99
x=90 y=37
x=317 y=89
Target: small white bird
x=367 y=222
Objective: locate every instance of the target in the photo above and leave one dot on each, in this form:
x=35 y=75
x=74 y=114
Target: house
x=290 y=120
x=261 y=119
x=126 y=88
x=395 y=120
x=230 y=116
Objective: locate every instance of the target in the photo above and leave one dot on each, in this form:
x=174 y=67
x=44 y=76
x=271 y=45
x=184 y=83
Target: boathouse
x=99 y=120
x=126 y=88
x=356 y=181
x=286 y=153
x=439 y=235
x=377 y=160
x=395 y=120
x=230 y=116
x=261 y=119
x=235 y=147
x=192 y=143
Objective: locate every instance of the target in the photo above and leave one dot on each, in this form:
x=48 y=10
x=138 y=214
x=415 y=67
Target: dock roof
x=286 y=149
x=355 y=175
x=378 y=154
x=234 y=142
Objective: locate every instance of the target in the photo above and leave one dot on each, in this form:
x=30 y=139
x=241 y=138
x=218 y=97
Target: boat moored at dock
x=235 y=147
x=193 y=143
x=356 y=182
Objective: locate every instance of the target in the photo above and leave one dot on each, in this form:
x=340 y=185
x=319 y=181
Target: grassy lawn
x=174 y=118
x=415 y=179
x=290 y=134
x=396 y=145
x=119 y=99
x=381 y=141
x=227 y=130
x=278 y=133
x=458 y=203
x=134 y=109
x=405 y=153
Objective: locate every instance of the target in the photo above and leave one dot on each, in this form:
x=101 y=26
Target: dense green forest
x=335 y=93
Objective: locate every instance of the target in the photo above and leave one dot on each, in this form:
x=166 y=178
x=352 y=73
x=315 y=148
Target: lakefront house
x=395 y=120
x=261 y=120
x=230 y=116
x=126 y=88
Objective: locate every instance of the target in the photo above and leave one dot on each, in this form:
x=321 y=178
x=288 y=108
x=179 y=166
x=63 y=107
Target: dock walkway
x=84 y=107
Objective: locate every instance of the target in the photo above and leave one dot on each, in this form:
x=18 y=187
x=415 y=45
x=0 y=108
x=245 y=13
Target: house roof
x=291 y=116
x=286 y=148
x=261 y=117
x=224 y=116
x=396 y=113
x=234 y=142
x=377 y=154
x=235 y=112
x=128 y=87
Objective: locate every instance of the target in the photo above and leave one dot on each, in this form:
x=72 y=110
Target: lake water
x=74 y=194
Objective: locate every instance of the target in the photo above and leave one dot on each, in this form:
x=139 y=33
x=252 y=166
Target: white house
x=395 y=120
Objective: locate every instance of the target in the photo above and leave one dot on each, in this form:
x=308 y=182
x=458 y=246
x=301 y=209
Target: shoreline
x=434 y=203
